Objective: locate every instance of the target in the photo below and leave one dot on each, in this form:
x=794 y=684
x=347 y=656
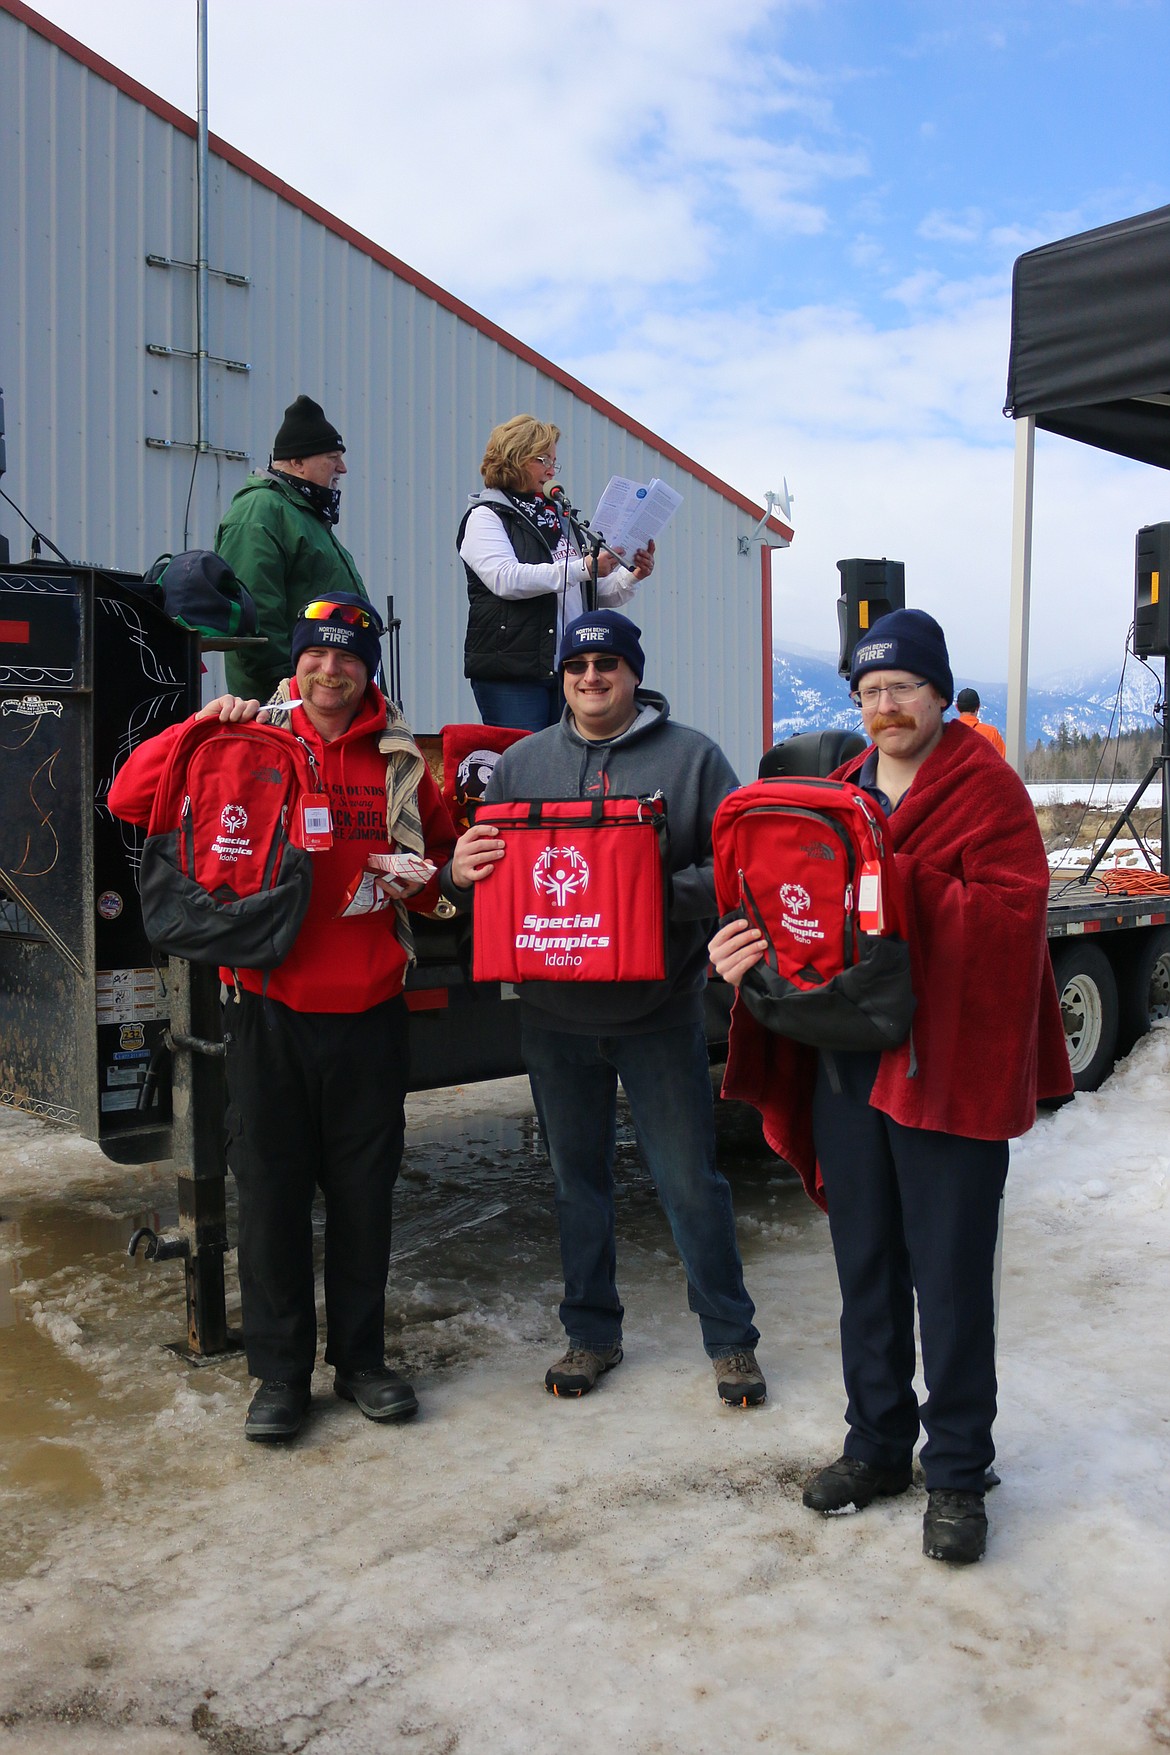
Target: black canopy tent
x=1091 y=337
x=1090 y=360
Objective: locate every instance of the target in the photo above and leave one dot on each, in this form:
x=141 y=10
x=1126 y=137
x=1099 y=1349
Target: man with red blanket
x=908 y=1149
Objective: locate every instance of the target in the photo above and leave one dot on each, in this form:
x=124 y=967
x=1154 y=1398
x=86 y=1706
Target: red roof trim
x=241 y=162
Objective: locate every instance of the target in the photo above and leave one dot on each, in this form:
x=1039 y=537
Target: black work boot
x=955 y=1527
x=277 y=1409
x=379 y=1392
x=849 y=1482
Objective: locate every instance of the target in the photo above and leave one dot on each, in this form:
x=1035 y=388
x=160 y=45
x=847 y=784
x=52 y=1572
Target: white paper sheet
x=629 y=512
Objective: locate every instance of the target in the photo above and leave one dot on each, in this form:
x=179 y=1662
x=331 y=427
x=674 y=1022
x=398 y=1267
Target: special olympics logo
x=795 y=898
x=561 y=872
x=233 y=818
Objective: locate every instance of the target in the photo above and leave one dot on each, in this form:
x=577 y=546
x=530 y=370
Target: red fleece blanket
x=987 y=1039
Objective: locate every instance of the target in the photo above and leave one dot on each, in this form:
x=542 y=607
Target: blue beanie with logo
x=342 y=628
x=906 y=639
x=603 y=630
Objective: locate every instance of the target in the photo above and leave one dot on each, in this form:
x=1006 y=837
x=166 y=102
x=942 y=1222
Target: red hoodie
x=335 y=965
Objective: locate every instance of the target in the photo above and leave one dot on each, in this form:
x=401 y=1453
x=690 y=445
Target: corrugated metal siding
x=92 y=182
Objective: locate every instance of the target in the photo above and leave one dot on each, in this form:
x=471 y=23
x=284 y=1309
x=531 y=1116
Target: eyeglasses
x=899 y=693
x=578 y=666
x=546 y=462
x=352 y=614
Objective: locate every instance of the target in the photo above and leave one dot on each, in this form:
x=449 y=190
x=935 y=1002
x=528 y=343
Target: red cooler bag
x=580 y=894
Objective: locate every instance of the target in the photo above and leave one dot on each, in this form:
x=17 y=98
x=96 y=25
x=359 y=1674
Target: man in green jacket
x=278 y=539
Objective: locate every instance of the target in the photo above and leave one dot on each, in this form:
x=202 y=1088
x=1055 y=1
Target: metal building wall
x=92 y=181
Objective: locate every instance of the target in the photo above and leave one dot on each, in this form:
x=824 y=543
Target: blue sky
x=781 y=234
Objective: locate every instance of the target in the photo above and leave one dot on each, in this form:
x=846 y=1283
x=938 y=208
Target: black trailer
x=96 y=1033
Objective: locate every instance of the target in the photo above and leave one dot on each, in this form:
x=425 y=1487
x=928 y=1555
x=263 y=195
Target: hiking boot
x=277 y=1410
x=955 y=1527
x=740 y=1380
x=850 y=1483
x=579 y=1369
x=379 y=1392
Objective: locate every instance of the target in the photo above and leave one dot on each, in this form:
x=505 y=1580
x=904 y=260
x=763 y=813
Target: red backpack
x=225 y=877
x=809 y=863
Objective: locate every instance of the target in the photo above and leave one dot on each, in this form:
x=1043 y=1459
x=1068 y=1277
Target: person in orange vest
x=968 y=703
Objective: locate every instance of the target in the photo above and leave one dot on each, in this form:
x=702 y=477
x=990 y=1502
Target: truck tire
x=1144 y=983
x=1087 y=988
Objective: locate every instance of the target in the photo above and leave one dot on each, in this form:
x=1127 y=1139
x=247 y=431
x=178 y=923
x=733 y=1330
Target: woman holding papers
x=527 y=578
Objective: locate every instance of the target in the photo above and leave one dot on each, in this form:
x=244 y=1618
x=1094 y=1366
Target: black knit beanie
x=906 y=639
x=304 y=432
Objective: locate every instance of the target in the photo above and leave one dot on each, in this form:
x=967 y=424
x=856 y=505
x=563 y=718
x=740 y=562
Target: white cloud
x=499 y=149
x=948 y=228
x=917 y=289
x=894 y=444
x=867 y=253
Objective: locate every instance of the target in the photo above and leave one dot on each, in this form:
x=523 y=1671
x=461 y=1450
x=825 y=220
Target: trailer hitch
x=198 y=1099
x=159 y=1248
x=196 y=1044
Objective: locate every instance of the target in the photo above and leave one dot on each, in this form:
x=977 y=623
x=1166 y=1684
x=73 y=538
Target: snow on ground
x=1100 y=794
x=1124 y=855
x=632 y=1572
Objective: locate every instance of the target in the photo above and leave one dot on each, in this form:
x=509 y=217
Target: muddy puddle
x=85 y=1330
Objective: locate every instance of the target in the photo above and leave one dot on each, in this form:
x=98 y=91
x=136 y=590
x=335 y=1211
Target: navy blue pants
x=523 y=706
x=315 y=1100
x=912 y=1211
x=667 y=1079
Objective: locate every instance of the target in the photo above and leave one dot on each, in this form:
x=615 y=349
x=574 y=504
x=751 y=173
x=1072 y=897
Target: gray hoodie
x=653 y=755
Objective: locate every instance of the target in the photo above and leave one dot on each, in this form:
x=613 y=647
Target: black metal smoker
x=93 y=1033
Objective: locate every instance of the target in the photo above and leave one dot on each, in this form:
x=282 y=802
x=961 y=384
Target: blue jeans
x=666 y=1078
x=521 y=706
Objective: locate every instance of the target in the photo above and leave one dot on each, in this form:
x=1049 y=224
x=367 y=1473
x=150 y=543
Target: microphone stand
x=593 y=542
x=589 y=542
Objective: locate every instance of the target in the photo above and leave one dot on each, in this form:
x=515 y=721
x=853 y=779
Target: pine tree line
x=1072 y=755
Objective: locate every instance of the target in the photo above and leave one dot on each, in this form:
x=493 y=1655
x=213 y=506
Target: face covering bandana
x=326 y=502
x=542 y=512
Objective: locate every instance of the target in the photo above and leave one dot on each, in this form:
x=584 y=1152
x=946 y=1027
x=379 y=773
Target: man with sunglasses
x=278 y=538
x=912 y=1144
x=317 y=1047
x=579 y=1038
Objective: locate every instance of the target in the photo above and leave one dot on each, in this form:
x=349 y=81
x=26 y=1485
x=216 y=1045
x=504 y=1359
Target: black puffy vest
x=510 y=639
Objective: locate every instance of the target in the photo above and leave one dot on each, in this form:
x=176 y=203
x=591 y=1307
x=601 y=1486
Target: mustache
x=893 y=722
x=330 y=682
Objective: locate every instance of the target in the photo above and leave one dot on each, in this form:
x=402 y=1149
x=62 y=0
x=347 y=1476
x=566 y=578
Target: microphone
x=552 y=490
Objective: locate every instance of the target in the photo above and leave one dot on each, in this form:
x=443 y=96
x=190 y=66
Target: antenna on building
x=773 y=502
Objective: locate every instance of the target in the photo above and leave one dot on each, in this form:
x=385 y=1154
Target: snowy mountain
x=808 y=695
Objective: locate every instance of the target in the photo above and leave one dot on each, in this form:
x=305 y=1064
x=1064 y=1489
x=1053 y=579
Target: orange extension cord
x=1121 y=880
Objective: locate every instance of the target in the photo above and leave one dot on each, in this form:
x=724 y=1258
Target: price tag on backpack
x=869 y=897
x=316 y=822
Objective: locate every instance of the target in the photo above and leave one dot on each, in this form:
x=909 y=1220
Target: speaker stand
x=1159 y=766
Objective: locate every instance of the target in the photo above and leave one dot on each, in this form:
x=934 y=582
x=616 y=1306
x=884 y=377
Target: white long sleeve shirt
x=486 y=550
